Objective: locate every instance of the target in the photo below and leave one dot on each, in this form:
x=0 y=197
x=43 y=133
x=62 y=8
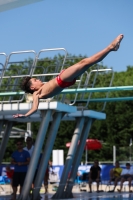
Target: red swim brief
x=62 y=83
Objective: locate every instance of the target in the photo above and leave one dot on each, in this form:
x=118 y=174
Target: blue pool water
x=113 y=197
x=85 y=196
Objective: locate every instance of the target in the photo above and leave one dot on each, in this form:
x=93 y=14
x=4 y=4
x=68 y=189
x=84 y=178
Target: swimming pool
x=107 y=197
x=78 y=195
x=85 y=196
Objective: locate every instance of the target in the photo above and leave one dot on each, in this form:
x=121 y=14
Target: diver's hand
x=19 y=116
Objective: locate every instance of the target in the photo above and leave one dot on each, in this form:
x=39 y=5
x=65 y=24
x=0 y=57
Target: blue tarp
x=4 y=180
x=59 y=169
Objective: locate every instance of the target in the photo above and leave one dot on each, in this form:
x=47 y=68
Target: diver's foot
x=114 y=46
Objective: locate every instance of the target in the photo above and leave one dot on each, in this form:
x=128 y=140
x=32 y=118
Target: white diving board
x=7 y=110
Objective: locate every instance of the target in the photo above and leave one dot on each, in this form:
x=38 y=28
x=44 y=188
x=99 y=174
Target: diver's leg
x=79 y=68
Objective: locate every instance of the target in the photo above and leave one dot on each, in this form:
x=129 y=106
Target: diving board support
x=5 y=139
x=36 y=154
x=69 y=160
x=78 y=157
x=81 y=134
x=46 y=154
x=47 y=110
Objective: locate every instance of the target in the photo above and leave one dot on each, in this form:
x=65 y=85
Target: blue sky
x=80 y=26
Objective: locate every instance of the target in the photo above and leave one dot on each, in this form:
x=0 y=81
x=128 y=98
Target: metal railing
x=45 y=69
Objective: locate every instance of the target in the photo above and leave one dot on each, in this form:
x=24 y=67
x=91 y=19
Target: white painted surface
x=11 y=4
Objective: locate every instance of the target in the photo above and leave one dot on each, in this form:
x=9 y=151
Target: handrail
x=79 y=90
x=53 y=49
x=11 y=93
x=34 y=75
x=100 y=89
x=108 y=99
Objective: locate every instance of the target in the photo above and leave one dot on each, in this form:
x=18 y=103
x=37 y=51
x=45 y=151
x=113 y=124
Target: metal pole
x=79 y=126
x=114 y=155
x=130 y=149
x=130 y=154
x=5 y=139
x=86 y=156
x=77 y=158
x=46 y=155
x=1 y=125
x=36 y=154
x=29 y=128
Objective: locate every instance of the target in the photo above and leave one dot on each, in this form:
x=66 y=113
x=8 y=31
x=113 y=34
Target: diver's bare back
x=49 y=89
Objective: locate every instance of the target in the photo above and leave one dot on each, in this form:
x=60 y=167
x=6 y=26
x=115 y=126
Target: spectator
x=115 y=174
x=126 y=175
x=29 y=145
x=20 y=160
x=94 y=175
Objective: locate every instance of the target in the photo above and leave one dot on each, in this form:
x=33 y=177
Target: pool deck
x=77 y=194
x=84 y=196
